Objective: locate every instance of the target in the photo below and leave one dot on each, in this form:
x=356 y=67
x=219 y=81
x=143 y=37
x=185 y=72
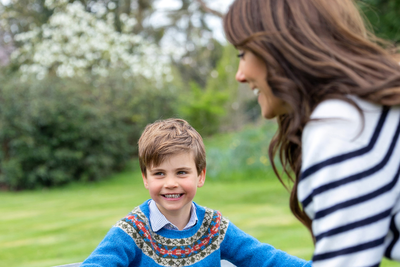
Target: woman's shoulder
x=343 y=119
x=339 y=108
x=337 y=126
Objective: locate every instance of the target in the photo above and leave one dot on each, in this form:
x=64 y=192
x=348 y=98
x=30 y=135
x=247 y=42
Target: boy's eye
x=182 y=172
x=159 y=173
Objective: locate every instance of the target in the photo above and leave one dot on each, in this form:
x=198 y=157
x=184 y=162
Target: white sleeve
x=347 y=182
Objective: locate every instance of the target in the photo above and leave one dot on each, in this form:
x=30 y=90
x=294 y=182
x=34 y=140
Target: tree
x=75 y=43
x=188 y=29
x=23 y=22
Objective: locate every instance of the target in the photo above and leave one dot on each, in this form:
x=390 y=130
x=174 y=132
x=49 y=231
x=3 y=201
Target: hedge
x=58 y=130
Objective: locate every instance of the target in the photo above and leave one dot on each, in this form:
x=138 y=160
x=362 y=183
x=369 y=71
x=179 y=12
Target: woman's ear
x=202 y=178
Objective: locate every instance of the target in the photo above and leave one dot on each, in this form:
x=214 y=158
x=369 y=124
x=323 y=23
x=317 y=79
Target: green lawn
x=60 y=226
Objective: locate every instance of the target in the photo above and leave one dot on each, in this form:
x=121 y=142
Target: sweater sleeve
x=116 y=249
x=346 y=183
x=244 y=250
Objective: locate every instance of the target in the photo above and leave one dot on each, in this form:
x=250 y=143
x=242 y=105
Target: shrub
x=203 y=109
x=58 y=130
x=242 y=155
x=209 y=108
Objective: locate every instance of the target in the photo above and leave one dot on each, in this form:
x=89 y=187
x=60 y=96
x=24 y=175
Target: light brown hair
x=165 y=138
x=314 y=50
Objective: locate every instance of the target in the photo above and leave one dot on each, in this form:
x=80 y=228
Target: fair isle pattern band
x=180 y=251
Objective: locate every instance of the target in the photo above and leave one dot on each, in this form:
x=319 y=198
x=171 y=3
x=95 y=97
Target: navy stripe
x=355 y=201
x=354 y=225
x=356 y=176
x=375 y=265
x=350 y=250
x=346 y=156
x=396 y=235
x=307 y=200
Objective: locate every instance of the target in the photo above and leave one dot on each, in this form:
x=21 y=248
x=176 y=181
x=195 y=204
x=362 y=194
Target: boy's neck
x=178 y=218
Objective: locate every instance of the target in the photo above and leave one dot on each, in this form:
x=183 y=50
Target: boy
x=170 y=229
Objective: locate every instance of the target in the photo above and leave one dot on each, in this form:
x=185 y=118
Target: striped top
x=348 y=184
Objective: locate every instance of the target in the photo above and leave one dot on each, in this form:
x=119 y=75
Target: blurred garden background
x=79 y=80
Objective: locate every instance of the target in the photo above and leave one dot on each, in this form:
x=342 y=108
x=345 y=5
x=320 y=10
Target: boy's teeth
x=173 y=196
x=256 y=91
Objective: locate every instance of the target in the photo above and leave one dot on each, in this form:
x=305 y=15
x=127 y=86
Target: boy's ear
x=145 y=181
x=202 y=178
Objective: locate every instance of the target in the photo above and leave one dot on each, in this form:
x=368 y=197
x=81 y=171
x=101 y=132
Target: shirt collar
x=158 y=220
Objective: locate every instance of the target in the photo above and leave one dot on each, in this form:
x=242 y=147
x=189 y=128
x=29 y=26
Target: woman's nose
x=240 y=76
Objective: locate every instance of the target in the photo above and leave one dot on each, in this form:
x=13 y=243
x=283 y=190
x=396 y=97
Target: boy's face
x=173 y=184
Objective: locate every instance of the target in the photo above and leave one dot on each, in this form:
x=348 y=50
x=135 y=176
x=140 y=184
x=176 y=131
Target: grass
x=60 y=226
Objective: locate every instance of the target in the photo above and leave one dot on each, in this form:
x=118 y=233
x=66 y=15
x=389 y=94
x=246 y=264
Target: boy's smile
x=173 y=185
x=176 y=196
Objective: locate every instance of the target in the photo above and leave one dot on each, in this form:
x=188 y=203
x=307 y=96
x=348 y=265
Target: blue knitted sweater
x=131 y=242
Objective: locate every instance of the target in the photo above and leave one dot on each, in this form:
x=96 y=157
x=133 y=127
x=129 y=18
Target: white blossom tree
x=75 y=43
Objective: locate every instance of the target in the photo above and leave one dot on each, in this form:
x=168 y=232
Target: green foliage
x=242 y=106
x=208 y=108
x=203 y=109
x=57 y=130
x=197 y=64
x=242 y=155
x=384 y=16
x=223 y=77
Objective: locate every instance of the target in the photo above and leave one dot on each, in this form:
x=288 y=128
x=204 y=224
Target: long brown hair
x=314 y=50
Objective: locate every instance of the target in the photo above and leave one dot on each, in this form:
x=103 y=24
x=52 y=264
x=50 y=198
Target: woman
x=334 y=92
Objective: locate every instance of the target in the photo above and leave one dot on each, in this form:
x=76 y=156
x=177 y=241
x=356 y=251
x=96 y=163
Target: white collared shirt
x=158 y=220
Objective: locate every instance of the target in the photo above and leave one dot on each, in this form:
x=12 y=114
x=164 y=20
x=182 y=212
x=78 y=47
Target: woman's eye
x=241 y=54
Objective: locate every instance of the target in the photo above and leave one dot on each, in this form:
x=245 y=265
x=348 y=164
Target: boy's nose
x=170 y=183
x=240 y=76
